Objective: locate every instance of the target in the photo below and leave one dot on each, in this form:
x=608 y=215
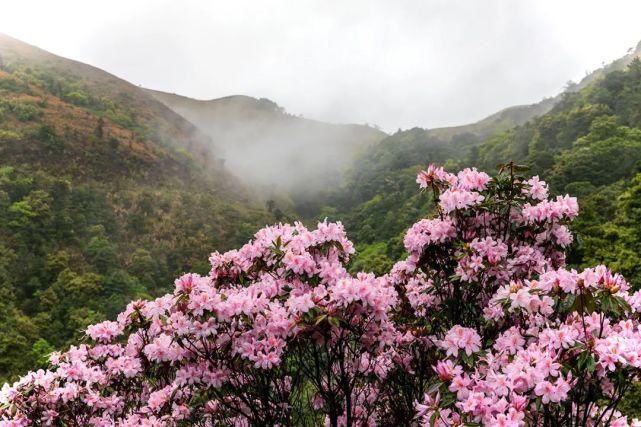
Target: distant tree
x=99 y=132
x=113 y=144
x=570 y=86
x=278 y=214
x=102 y=253
x=40 y=352
x=270 y=205
x=47 y=134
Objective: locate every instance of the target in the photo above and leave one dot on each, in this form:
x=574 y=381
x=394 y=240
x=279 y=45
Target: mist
x=291 y=92
x=274 y=151
x=394 y=64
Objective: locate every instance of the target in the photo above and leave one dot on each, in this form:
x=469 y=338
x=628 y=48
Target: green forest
x=101 y=202
x=588 y=145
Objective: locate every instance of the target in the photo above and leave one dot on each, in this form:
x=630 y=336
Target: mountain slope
x=497 y=122
x=266 y=146
x=106 y=195
x=590 y=128
x=100 y=92
x=519 y=114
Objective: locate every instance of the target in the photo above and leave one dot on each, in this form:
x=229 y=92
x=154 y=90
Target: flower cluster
x=511 y=337
x=482 y=323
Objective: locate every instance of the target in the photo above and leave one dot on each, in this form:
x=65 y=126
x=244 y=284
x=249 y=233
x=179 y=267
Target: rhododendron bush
x=480 y=324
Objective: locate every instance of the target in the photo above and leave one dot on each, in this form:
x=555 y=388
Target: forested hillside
x=106 y=195
x=246 y=214
x=588 y=145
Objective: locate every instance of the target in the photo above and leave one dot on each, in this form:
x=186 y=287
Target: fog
x=394 y=64
x=276 y=152
x=425 y=63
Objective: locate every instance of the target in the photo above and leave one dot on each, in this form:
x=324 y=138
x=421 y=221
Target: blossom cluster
x=482 y=323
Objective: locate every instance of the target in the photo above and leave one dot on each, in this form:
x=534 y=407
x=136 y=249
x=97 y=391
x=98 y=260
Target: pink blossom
x=482 y=320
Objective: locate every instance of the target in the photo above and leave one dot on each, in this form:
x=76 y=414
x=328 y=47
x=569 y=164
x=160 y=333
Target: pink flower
x=158 y=398
x=446 y=370
x=552 y=392
x=105 y=331
x=435 y=175
x=461 y=338
x=482 y=310
x=451 y=200
x=472 y=179
x=537 y=189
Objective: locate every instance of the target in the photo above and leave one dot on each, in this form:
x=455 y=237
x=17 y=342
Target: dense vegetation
x=105 y=196
x=482 y=324
x=589 y=145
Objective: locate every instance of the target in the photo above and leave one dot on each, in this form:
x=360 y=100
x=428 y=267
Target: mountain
x=497 y=122
x=120 y=104
x=282 y=153
x=574 y=145
x=106 y=195
x=517 y=115
x=269 y=148
x=108 y=191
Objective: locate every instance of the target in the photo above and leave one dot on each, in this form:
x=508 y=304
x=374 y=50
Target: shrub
x=480 y=324
x=77 y=97
x=25 y=112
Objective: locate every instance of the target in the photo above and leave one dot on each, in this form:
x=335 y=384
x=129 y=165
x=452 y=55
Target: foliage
x=105 y=197
x=588 y=144
x=482 y=323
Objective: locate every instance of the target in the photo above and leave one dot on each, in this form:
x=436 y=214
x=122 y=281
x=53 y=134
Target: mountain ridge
x=519 y=114
x=110 y=87
x=378 y=196
x=271 y=148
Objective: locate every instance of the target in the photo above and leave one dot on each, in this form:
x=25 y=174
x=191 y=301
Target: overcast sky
x=392 y=63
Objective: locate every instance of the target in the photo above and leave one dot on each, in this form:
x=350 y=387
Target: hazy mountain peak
x=268 y=147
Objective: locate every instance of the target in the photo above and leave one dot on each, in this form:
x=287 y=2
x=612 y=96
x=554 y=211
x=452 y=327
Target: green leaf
x=447 y=400
x=469 y=360
x=586 y=362
x=583 y=303
x=319 y=319
x=565 y=306
x=433 y=418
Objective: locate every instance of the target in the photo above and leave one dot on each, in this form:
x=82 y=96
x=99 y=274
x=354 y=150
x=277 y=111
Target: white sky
x=392 y=63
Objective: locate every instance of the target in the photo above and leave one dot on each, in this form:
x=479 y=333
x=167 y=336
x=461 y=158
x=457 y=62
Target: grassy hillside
x=270 y=148
x=105 y=196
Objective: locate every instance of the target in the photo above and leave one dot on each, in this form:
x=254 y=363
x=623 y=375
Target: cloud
x=395 y=64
